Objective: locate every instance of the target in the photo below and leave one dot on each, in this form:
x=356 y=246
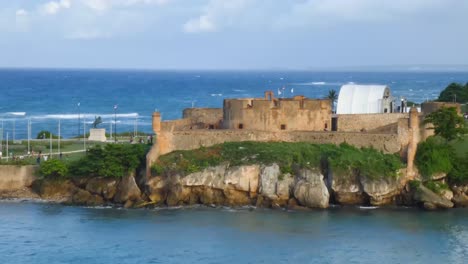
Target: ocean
x=43 y=233
x=47 y=96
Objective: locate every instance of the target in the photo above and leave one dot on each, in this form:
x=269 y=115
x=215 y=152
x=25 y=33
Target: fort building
x=370 y=122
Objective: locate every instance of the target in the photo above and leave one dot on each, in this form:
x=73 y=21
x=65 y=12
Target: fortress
x=299 y=119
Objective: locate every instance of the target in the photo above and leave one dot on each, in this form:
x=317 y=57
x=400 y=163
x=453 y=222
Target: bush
x=433 y=157
x=53 y=168
x=459 y=172
x=114 y=160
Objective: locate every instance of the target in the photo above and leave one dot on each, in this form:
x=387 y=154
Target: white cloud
x=53 y=7
x=104 y=5
x=202 y=24
x=88 y=35
x=217 y=14
x=21 y=12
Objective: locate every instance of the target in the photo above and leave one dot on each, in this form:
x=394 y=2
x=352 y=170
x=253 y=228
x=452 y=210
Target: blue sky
x=232 y=34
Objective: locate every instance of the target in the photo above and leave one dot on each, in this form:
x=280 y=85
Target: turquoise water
x=46 y=233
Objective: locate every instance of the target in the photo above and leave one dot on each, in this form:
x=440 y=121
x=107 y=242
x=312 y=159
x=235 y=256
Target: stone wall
x=277 y=115
x=209 y=116
x=367 y=122
x=429 y=107
x=14 y=177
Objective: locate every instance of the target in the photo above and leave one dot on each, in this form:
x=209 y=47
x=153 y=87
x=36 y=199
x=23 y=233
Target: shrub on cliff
x=53 y=168
x=459 y=172
x=434 y=156
x=114 y=160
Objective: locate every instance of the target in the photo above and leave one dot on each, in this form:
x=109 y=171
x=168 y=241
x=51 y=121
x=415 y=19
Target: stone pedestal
x=97 y=134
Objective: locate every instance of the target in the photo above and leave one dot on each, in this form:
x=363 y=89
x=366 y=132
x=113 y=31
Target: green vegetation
x=333 y=97
x=436 y=187
x=44 y=134
x=368 y=162
x=53 y=168
x=112 y=160
x=455 y=92
x=447 y=123
x=434 y=156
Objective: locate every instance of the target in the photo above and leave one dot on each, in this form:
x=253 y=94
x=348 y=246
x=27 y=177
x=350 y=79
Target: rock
x=460 y=200
x=57 y=190
x=311 y=191
x=447 y=194
x=209 y=177
x=424 y=195
x=381 y=191
x=236 y=198
x=106 y=187
x=438 y=176
x=82 y=197
x=127 y=189
x=347 y=188
x=243 y=178
x=155 y=189
x=293 y=205
x=80 y=182
x=429 y=206
x=268 y=179
x=284 y=185
x=210 y=196
x=178 y=195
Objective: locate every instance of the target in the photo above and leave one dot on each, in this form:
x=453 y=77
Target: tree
x=44 y=134
x=53 y=168
x=455 y=92
x=447 y=123
x=333 y=97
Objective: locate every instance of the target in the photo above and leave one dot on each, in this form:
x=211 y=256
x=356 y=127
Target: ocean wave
x=217 y=94
x=12 y=114
x=85 y=116
x=238 y=90
x=318 y=83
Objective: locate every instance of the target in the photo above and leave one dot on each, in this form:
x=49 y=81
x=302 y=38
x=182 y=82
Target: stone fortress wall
x=271 y=114
x=304 y=120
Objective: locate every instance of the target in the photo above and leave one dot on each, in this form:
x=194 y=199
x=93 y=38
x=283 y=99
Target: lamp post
x=79 y=121
x=115 y=123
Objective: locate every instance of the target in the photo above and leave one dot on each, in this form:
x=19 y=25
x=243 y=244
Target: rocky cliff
x=250 y=185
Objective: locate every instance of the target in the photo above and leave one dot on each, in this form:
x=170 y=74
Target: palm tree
x=333 y=97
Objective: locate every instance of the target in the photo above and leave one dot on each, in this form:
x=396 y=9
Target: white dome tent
x=364 y=99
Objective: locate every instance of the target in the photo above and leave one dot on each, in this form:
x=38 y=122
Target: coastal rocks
x=430 y=200
x=105 y=187
x=268 y=179
x=460 y=196
x=56 y=190
x=460 y=200
x=311 y=190
x=155 y=190
x=243 y=178
x=380 y=191
x=82 y=197
x=347 y=189
x=127 y=190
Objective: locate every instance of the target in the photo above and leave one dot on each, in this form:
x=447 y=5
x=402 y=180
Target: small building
x=365 y=99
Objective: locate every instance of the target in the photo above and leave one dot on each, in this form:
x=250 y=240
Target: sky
x=232 y=34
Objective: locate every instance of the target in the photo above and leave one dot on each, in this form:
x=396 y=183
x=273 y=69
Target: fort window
x=211 y=127
x=241 y=126
x=283 y=127
x=326 y=127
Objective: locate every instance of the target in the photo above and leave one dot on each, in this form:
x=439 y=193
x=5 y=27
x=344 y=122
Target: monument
x=97 y=134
